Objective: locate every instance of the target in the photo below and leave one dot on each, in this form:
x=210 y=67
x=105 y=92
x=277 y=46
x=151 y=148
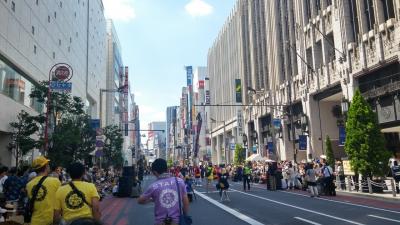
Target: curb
x=367 y=195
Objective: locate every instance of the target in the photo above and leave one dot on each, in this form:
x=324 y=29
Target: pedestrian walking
x=3 y=178
x=272 y=168
x=291 y=176
x=42 y=193
x=77 y=199
x=168 y=194
x=223 y=185
x=246 y=176
x=197 y=176
x=209 y=175
x=328 y=178
x=396 y=175
x=311 y=179
x=13 y=186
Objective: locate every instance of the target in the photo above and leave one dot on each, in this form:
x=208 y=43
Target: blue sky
x=160 y=37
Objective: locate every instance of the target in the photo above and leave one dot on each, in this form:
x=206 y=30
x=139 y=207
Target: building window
x=369 y=12
x=13 y=6
x=34 y=49
x=388 y=9
x=308 y=10
x=37 y=2
x=318 y=5
x=69 y=48
x=15 y=86
x=48 y=19
x=33 y=30
x=55 y=14
x=75 y=14
x=54 y=55
x=60 y=4
x=59 y=42
x=354 y=19
x=70 y=39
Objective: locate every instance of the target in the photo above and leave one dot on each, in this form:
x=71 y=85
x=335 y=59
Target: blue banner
x=342 y=135
x=277 y=123
x=270 y=146
x=189 y=74
x=254 y=148
x=95 y=123
x=302 y=142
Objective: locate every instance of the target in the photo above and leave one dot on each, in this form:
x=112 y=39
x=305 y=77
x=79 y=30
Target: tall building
x=115 y=74
x=318 y=52
x=200 y=115
x=156 y=139
x=36 y=35
x=171 y=131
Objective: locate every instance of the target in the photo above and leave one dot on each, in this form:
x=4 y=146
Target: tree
x=113 y=146
x=240 y=154
x=365 y=144
x=330 y=158
x=22 y=131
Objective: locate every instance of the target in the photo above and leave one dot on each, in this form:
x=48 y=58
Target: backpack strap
x=35 y=190
x=79 y=193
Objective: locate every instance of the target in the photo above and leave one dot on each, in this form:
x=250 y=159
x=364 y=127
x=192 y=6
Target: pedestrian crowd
x=47 y=194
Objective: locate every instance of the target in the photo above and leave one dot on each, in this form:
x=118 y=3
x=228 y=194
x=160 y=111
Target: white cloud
x=197 y=8
x=138 y=94
x=119 y=10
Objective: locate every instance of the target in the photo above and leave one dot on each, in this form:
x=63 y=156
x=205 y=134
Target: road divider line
x=300 y=208
x=346 y=203
x=233 y=212
x=384 y=218
x=307 y=221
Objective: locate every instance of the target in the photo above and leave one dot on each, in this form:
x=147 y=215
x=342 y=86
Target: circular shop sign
x=61 y=72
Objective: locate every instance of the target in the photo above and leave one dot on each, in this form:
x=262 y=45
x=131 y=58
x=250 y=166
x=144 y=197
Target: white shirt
x=2 y=181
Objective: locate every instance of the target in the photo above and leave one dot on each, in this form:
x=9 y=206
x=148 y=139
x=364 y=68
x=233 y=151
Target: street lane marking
x=307 y=221
x=384 y=218
x=229 y=210
x=346 y=203
x=204 y=192
x=300 y=208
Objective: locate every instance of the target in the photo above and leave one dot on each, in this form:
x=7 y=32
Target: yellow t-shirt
x=71 y=205
x=43 y=209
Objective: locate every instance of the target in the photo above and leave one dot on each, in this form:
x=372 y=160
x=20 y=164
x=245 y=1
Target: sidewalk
x=387 y=195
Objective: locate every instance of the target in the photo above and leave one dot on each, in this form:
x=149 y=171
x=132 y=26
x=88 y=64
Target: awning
x=255 y=158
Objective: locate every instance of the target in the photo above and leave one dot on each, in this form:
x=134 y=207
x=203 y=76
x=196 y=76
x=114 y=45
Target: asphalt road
x=260 y=206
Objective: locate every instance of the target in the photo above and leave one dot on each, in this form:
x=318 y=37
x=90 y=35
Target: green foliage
x=170 y=163
x=364 y=141
x=113 y=147
x=240 y=154
x=22 y=131
x=330 y=158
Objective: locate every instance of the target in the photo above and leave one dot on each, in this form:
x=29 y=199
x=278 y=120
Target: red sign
x=61 y=72
x=201 y=84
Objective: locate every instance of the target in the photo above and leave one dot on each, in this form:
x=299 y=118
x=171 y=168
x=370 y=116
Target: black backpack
x=28 y=209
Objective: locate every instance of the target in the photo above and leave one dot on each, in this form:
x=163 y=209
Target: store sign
x=61 y=72
x=240 y=125
x=238 y=90
x=347 y=168
x=302 y=142
x=208 y=97
x=189 y=75
x=270 y=147
x=277 y=123
x=201 y=84
x=342 y=135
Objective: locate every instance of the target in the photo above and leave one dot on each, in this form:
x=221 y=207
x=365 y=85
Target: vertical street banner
x=270 y=147
x=238 y=90
x=342 y=135
x=189 y=77
x=198 y=129
x=208 y=99
x=302 y=142
x=126 y=90
x=239 y=118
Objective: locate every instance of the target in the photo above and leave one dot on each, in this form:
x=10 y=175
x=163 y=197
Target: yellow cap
x=39 y=162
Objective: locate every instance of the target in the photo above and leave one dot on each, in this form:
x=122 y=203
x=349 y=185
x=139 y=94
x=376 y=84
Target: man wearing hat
x=43 y=209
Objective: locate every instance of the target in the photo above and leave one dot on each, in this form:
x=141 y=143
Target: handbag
x=28 y=209
x=183 y=219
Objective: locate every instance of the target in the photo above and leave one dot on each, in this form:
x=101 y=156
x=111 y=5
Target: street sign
x=238 y=90
x=232 y=146
x=62 y=87
x=270 y=146
x=61 y=72
x=277 y=123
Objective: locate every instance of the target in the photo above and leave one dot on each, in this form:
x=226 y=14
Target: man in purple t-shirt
x=164 y=193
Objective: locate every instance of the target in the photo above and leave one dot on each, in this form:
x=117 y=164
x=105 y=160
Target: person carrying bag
x=183 y=219
x=28 y=210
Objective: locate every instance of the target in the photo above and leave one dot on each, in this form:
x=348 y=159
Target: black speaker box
x=125 y=185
